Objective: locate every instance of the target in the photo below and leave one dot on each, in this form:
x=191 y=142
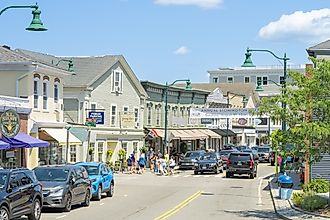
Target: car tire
x=99 y=194
x=87 y=201
x=272 y=163
x=36 y=210
x=196 y=172
x=228 y=175
x=221 y=171
x=4 y=213
x=251 y=176
x=68 y=203
x=111 y=190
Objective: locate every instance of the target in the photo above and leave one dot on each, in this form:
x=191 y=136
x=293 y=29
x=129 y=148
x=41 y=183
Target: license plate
x=239 y=163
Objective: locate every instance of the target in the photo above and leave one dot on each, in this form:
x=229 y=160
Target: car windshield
x=209 y=157
x=3 y=180
x=264 y=149
x=92 y=170
x=51 y=174
x=192 y=154
x=225 y=153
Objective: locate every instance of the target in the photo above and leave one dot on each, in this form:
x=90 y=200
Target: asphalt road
x=182 y=196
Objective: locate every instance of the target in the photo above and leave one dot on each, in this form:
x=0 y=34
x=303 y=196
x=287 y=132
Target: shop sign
x=206 y=121
x=128 y=120
x=97 y=116
x=242 y=121
x=220 y=113
x=9 y=123
x=10 y=154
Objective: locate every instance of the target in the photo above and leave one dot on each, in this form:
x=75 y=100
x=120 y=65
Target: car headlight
x=57 y=191
x=213 y=164
x=193 y=160
x=196 y=164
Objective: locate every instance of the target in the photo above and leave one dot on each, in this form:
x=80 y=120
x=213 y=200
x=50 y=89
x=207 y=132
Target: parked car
x=190 y=158
x=241 y=148
x=254 y=153
x=241 y=163
x=224 y=157
x=209 y=162
x=102 y=179
x=64 y=186
x=21 y=194
x=264 y=154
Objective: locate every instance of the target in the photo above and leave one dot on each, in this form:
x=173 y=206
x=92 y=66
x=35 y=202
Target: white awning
x=60 y=135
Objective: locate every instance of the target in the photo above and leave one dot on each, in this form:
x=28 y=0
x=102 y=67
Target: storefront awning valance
x=223 y=132
x=210 y=133
x=60 y=135
x=22 y=140
x=158 y=132
x=4 y=145
x=198 y=133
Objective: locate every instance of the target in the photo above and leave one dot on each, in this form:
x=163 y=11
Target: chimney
x=6 y=47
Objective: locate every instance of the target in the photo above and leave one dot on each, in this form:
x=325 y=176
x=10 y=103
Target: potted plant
x=121 y=154
x=143 y=149
x=109 y=154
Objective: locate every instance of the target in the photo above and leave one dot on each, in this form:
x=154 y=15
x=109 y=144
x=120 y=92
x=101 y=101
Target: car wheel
x=196 y=172
x=228 y=175
x=111 y=190
x=251 y=176
x=99 y=194
x=4 y=213
x=36 y=211
x=272 y=163
x=68 y=203
x=87 y=199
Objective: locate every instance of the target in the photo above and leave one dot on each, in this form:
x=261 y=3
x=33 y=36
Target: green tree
x=307 y=113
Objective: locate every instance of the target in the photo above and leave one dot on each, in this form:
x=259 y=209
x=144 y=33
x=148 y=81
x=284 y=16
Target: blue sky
x=164 y=40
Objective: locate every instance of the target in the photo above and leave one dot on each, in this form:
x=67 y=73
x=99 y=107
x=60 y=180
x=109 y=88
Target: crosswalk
x=183 y=175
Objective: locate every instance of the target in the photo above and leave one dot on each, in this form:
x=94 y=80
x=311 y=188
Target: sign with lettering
x=9 y=123
x=127 y=120
x=97 y=116
x=220 y=113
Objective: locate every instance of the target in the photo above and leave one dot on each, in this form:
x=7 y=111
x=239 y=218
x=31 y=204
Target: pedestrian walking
x=133 y=161
x=172 y=165
x=142 y=163
x=129 y=164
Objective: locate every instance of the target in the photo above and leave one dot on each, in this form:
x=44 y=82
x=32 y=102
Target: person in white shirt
x=172 y=165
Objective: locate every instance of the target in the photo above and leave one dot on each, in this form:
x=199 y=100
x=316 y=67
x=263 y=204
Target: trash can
x=286 y=185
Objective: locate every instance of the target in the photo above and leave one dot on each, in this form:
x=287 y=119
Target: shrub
x=317 y=186
x=312 y=202
x=298 y=198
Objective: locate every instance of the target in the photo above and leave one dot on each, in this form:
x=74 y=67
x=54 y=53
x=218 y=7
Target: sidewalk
x=284 y=208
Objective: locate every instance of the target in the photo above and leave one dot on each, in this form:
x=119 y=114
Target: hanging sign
x=97 y=116
x=9 y=123
x=220 y=113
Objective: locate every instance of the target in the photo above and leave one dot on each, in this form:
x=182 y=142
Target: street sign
x=220 y=113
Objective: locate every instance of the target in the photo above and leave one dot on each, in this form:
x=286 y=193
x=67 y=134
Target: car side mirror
x=9 y=189
x=72 y=180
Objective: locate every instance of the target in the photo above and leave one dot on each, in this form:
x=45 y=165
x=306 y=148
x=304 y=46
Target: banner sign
x=97 y=116
x=220 y=113
x=9 y=123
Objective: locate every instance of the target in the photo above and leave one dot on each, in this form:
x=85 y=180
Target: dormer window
x=117 y=81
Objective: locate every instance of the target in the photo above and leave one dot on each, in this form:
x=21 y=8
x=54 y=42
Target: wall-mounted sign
x=206 y=121
x=127 y=120
x=9 y=123
x=242 y=121
x=10 y=154
x=97 y=116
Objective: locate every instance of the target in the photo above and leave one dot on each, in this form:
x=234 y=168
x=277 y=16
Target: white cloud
x=312 y=26
x=200 y=3
x=181 y=50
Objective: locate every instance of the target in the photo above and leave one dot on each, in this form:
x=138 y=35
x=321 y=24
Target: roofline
x=176 y=88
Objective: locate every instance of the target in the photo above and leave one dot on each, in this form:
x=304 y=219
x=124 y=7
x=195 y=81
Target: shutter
x=322 y=168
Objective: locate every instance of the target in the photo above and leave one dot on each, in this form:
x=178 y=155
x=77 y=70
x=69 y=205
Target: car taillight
x=228 y=162
x=251 y=164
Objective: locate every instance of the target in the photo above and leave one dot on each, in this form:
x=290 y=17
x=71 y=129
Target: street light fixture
x=187 y=88
x=36 y=23
x=248 y=63
x=245 y=100
x=70 y=65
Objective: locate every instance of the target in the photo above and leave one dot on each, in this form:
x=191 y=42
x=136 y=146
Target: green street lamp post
x=228 y=103
x=188 y=88
x=36 y=23
x=70 y=65
x=248 y=63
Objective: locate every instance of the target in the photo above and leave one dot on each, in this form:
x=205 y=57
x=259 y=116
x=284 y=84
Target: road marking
x=259 y=193
x=102 y=203
x=196 y=176
x=179 y=206
x=207 y=176
x=62 y=216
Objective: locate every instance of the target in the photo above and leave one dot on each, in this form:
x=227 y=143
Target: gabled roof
x=321 y=46
x=7 y=55
x=88 y=69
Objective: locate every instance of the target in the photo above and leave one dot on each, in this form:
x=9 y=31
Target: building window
x=93 y=106
x=125 y=109
x=73 y=153
x=91 y=151
x=182 y=112
x=259 y=79
x=265 y=80
x=35 y=92
x=45 y=94
x=230 y=80
x=117 y=81
x=124 y=146
x=149 y=116
x=136 y=116
x=56 y=92
x=113 y=115
x=135 y=146
x=158 y=115
x=215 y=79
x=281 y=80
x=247 y=79
x=100 y=151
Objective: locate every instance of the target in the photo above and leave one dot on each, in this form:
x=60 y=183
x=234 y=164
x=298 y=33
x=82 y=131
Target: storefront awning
x=22 y=140
x=60 y=135
x=4 y=145
x=223 y=132
x=158 y=132
x=198 y=133
x=210 y=133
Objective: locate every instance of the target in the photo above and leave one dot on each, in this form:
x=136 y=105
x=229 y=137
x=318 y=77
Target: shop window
x=135 y=146
x=124 y=146
x=91 y=151
x=73 y=153
x=100 y=151
x=113 y=115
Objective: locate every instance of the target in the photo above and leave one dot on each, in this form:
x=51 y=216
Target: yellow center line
x=179 y=206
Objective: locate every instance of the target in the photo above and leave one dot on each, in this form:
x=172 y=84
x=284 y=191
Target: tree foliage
x=303 y=95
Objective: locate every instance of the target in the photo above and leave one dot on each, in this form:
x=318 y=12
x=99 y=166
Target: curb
x=307 y=212
x=271 y=195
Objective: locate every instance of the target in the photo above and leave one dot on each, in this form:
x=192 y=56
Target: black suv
x=64 y=186
x=21 y=194
x=241 y=163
